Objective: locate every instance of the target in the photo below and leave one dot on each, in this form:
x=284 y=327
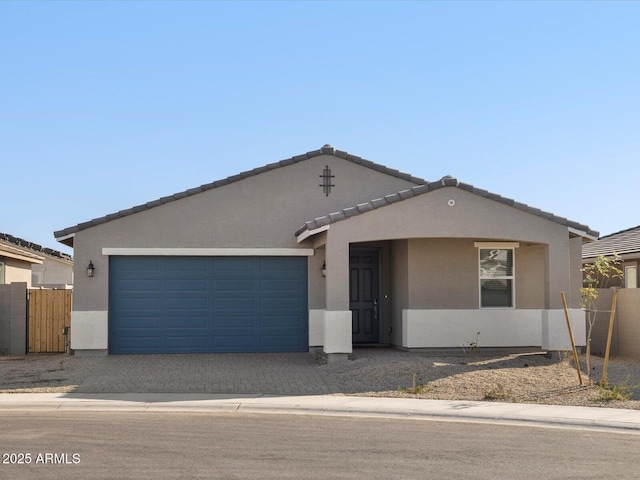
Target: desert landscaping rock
x=373 y=372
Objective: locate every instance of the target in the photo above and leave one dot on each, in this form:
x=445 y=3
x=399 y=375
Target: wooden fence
x=49 y=320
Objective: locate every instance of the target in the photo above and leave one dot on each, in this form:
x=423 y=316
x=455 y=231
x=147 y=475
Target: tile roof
x=325 y=150
x=622 y=242
x=19 y=242
x=447 y=181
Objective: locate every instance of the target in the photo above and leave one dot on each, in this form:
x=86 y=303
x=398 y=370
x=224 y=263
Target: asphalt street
x=170 y=445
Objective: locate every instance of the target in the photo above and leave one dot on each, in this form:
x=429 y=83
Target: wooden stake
x=614 y=301
x=573 y=343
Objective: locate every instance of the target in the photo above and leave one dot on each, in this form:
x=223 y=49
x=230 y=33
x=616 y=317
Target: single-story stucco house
x=325 y=250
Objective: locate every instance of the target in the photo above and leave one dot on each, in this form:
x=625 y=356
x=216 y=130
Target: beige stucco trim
x=496 y=244
x=210 y=252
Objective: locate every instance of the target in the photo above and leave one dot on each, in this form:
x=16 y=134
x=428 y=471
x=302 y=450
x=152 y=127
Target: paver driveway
x=237 y=373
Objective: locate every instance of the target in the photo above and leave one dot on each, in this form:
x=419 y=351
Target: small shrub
x=471 y=347
x=499 y=392
x=609 y=393
x=414 y=388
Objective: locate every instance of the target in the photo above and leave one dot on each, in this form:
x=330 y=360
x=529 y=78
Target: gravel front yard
x=521 y=378
x=524 y=378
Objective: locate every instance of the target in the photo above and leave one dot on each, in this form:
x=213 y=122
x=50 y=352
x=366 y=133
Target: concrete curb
x=592 y=418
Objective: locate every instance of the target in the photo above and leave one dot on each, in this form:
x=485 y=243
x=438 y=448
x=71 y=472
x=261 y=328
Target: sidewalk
x=604 y=419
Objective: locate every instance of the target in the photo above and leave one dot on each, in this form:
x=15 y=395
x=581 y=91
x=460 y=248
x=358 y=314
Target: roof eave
x=65 y=239
x=589 y=236
x=305 y=233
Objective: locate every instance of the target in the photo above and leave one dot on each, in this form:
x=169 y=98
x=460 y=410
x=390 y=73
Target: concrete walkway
x=603 y=419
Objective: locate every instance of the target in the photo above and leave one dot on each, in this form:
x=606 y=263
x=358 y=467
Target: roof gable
x=66 y=235
x=448 y=181
x=624 y=242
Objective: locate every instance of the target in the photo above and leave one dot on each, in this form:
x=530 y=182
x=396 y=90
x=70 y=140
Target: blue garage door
x=208 y=304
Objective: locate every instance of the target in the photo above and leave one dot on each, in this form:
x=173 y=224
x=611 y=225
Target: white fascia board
x=496 y=244
x=580 y=233
x=209 y=252
x=308 y=233
x=65 y=237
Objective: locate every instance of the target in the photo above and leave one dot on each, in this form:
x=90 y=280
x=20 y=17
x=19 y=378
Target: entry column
x=337 y=321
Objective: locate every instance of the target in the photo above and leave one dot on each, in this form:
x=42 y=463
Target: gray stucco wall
x=317 y=297
x=443 y=273
x=260 y=211
x=13 y=319
x=530 y=275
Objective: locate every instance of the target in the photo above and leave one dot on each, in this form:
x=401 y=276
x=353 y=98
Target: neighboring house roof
x=447 y=181
x=27 y=247
x=624 y=242
x=65 y=235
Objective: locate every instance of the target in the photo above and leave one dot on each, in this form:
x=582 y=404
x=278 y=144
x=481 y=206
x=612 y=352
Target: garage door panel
x=207 y=304
x=140 y=344
x=287 y=303
x=137 y=322
x=280 y=285
x=186 y=285
x=281 y=322
x=139 y=285
x=227 y=286
x=188 y=321
x=138 y=303
x=186 y=303
x=233 y=304
x=179 y=343
x=235 y=343
x=224 y=321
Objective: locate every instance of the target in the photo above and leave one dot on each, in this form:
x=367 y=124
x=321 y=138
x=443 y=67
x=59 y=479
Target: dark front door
x=364 y=295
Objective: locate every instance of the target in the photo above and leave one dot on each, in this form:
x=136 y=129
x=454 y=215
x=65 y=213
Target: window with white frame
x=497 y=275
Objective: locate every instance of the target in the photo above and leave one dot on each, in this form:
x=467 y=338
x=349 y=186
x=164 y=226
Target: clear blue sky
x=107 y=105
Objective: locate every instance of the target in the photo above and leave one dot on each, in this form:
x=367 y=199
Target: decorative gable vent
x=326 y=181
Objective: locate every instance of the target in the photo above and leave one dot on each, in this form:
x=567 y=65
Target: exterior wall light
x=90 y=269
x=323 y=270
